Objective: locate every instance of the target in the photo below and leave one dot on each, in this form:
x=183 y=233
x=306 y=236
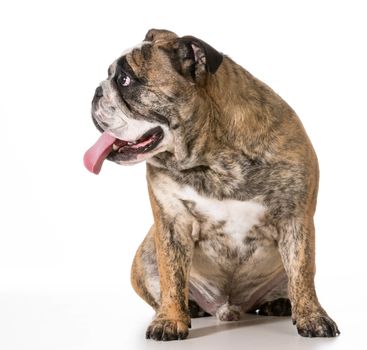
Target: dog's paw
x=317 y=325
x=163 y=329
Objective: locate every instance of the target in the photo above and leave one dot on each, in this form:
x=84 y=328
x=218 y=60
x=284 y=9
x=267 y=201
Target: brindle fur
x=235 y=139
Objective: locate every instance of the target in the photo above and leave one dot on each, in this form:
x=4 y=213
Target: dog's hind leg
x=144 y=272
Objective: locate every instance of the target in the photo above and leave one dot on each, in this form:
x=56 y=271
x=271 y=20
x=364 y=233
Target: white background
x=68 y=237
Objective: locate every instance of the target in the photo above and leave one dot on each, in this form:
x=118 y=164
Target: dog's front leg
x=297 y=248
x=174 y=249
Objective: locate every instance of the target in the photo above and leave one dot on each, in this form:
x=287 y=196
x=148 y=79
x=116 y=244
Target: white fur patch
x=239 y=216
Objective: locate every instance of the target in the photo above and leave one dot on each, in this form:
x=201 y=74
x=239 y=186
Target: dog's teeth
x=114 y=147
x=130 y=143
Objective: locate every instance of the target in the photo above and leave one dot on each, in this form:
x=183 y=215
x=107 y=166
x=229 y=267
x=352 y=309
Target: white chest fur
x=238 y=217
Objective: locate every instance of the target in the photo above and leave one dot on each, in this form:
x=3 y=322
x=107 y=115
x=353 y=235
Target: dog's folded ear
x=196 y=57
x=204 y=54
x=191 y=57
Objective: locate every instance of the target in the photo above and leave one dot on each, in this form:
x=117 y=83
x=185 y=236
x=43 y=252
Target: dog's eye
x=123 y=79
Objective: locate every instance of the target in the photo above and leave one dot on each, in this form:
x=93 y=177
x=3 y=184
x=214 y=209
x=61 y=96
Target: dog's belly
x=236 y=259
x=244 y=276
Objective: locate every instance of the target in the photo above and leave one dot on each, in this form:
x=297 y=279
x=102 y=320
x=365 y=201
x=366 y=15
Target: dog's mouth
x=144 y=144
x=115 y=149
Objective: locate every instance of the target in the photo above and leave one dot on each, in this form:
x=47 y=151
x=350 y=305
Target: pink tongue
x=94 y=157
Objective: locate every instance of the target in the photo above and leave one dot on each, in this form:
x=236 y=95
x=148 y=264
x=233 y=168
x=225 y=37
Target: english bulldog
x=232 y=180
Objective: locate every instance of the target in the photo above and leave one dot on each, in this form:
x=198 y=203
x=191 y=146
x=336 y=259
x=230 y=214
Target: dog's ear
x=197 y=57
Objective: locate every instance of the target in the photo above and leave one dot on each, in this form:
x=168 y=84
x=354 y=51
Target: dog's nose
x=99 y=92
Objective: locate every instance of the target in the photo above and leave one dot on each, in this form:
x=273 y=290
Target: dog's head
x=149 y=93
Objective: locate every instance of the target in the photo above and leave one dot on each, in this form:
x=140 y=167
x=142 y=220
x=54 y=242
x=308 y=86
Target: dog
x=232 y=180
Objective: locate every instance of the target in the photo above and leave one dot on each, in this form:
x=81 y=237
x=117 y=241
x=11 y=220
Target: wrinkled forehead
x=136 y=60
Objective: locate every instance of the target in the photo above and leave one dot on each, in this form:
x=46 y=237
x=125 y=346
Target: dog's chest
x=232 y=218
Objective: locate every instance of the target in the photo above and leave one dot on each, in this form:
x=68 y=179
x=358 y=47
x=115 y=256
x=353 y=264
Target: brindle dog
x=232 y=179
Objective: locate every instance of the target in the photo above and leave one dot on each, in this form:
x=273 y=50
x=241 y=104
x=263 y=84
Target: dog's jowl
x=232 y=179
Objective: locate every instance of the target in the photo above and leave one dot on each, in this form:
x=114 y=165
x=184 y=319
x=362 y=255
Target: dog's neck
x=247 y=112
x=199 y=143
x=234 y=113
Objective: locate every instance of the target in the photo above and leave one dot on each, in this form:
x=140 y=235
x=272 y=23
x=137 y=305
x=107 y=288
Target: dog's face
x=149 y=93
